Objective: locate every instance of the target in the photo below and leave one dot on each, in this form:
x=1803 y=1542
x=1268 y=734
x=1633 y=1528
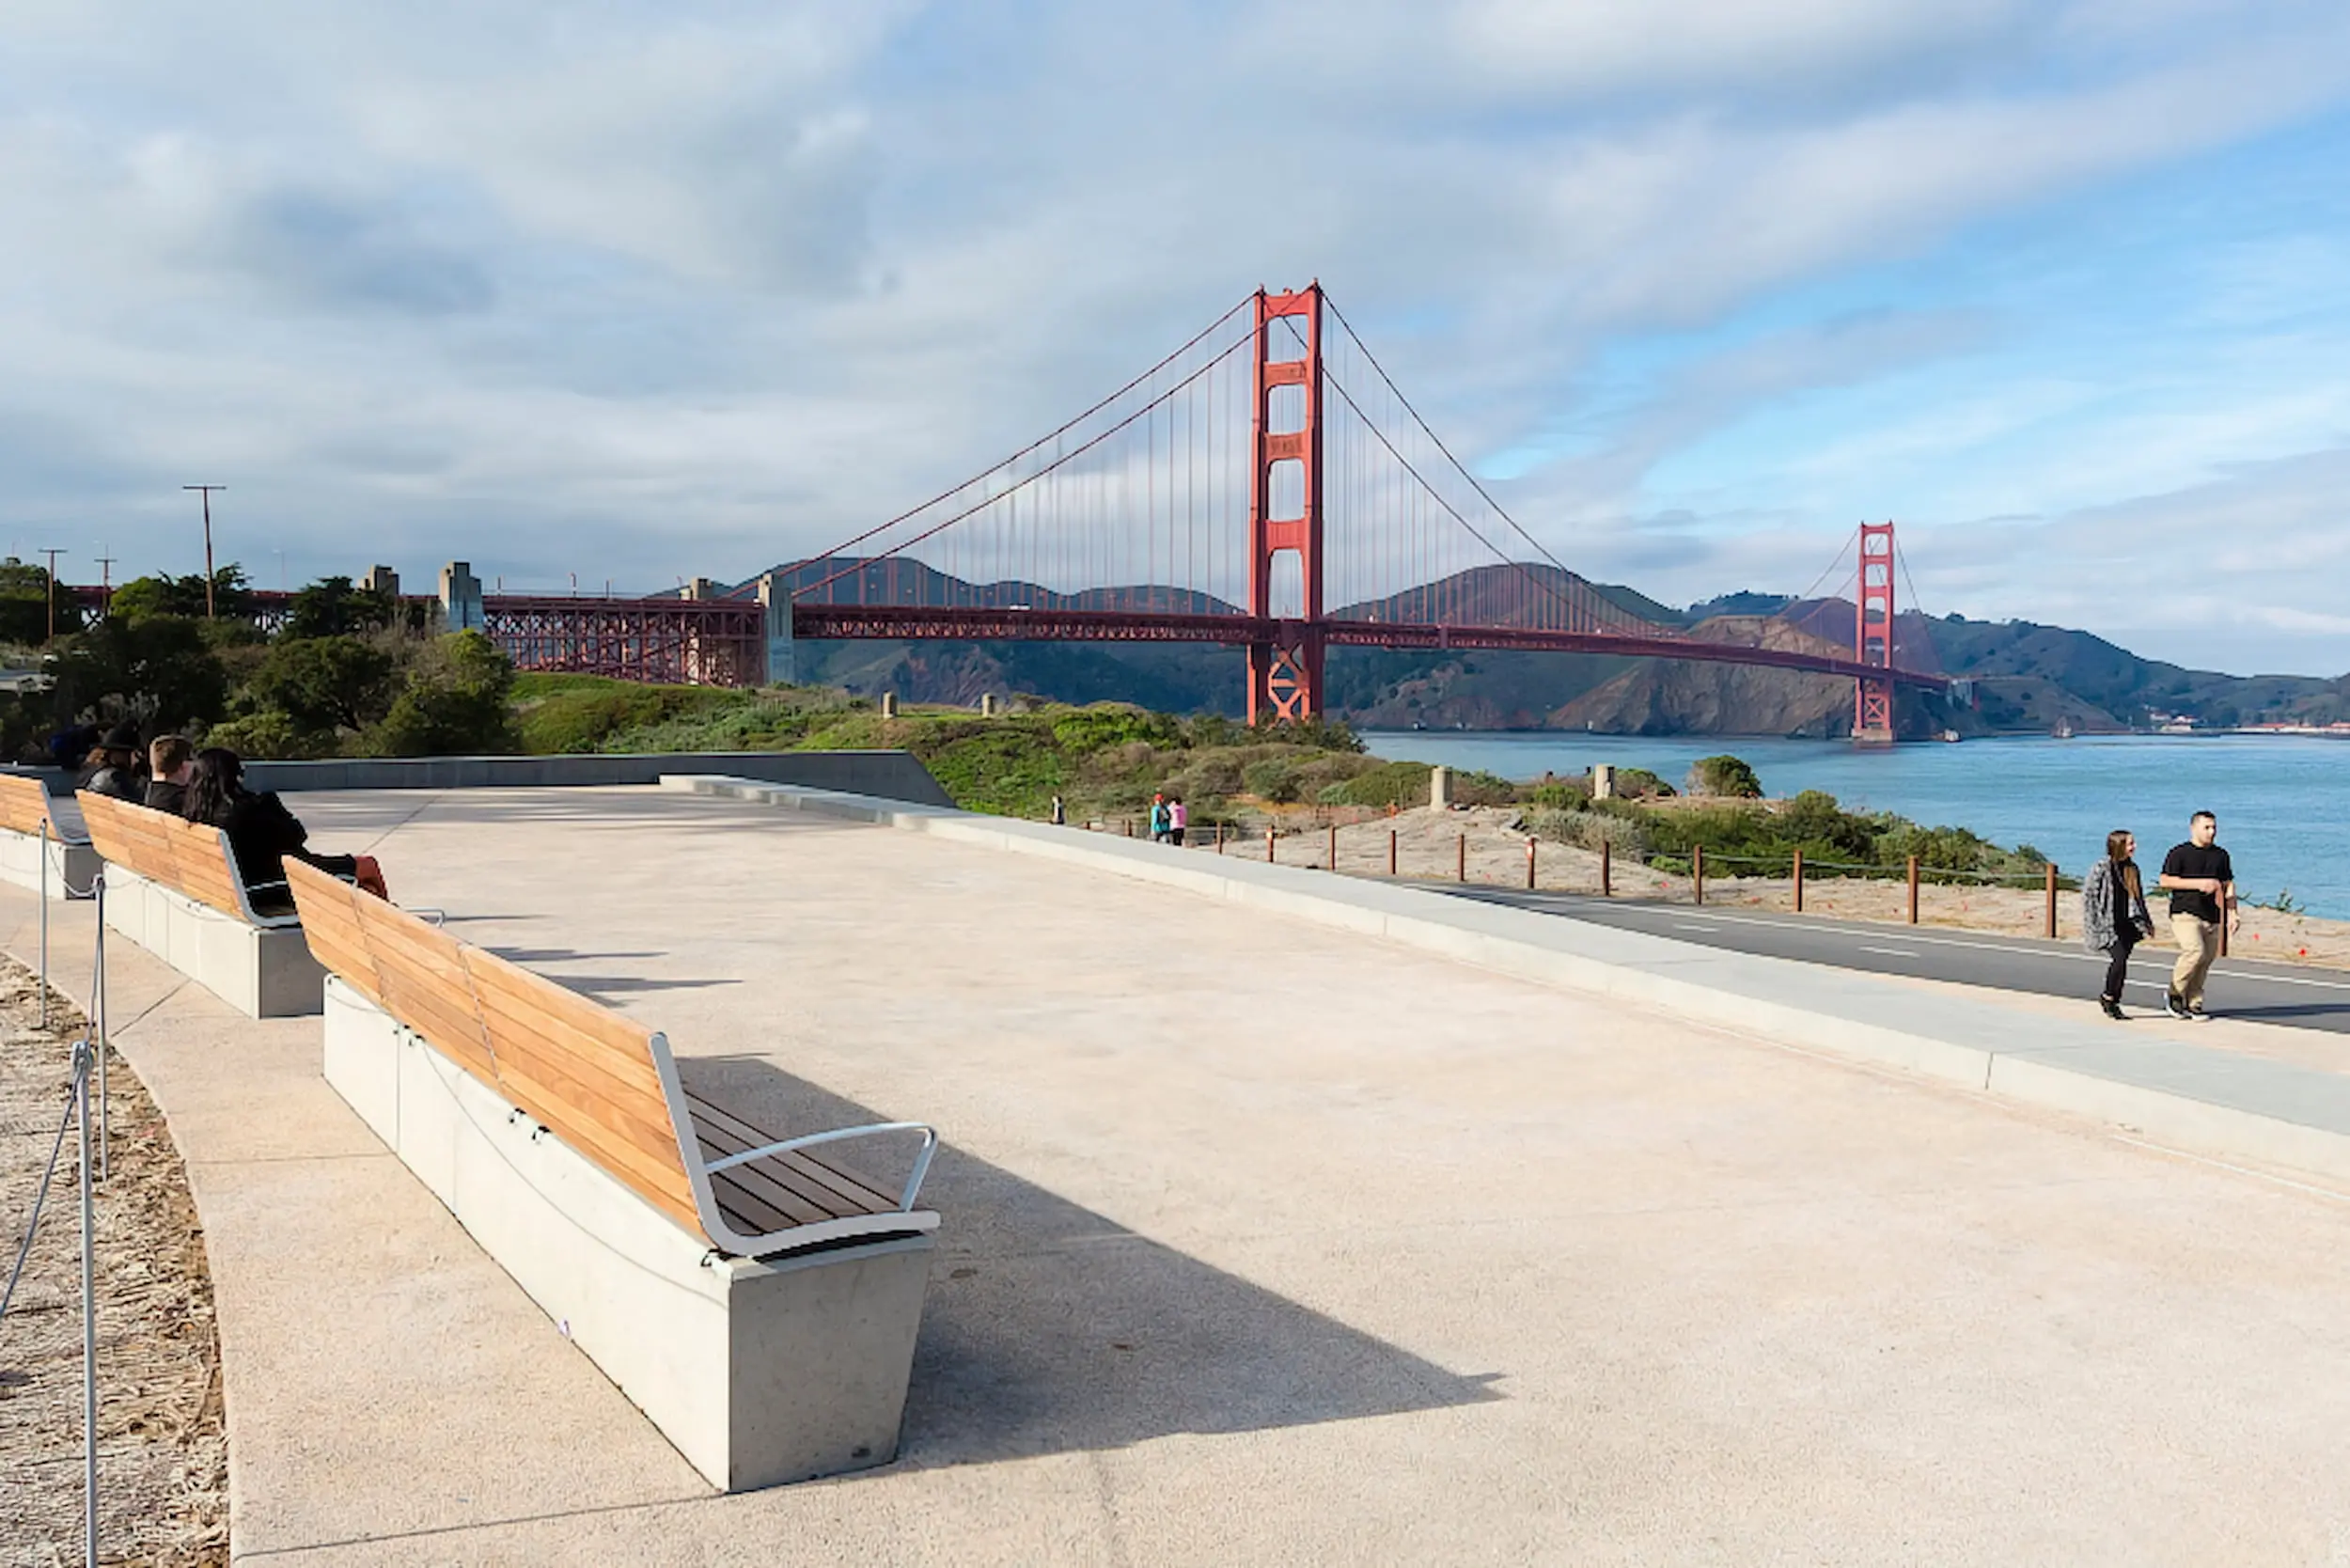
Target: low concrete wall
x=71 y=867
x=758 y=1372
x=883 y=775
x=2237 y=1106
x=261 y=972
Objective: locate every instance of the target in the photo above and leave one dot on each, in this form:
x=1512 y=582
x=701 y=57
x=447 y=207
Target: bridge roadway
x=2242 y=990
x=1264 y=1242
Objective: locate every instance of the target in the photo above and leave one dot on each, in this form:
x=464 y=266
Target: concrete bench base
x=758 y=1372
x=70 y=865
x=263 y=972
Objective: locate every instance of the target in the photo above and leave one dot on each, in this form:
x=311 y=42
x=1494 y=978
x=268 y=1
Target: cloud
x=666 y=290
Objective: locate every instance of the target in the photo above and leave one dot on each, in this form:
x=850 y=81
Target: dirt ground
x=1436 y=844
x=162 y=1453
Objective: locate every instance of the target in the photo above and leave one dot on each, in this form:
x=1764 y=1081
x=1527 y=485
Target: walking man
x=2202 y=893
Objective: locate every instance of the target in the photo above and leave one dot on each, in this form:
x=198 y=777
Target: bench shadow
x=602 y=986
x=558 y=956
x=1051 y=1329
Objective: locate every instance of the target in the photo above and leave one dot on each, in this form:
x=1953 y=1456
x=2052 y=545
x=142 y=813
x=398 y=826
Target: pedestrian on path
x=1178 y=818
x=2201 y=881
x=2114 y=917
x=1158 y=819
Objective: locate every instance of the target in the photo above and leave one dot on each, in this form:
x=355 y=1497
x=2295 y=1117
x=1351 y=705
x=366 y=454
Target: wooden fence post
x=1799 y=882
x=2052 y=892
x=1697 y=872
x=1606 y=860
x=1460 y=859
x=1913 y=889
x=1392 y=851
x=1334 y=849
x=1529 y=865
x=1268 y=846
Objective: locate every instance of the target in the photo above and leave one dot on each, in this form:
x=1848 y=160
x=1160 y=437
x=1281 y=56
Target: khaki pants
x=2198 y=946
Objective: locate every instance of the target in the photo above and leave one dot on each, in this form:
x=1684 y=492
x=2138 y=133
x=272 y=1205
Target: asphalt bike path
x=2247 y=990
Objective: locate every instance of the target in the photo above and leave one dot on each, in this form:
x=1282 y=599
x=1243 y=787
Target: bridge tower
x=1873 y=635
x=1285 y=673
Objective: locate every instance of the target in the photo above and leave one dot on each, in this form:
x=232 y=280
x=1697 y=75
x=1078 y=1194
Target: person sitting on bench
x=111 y=767
x=169 y=760
x=262 y=832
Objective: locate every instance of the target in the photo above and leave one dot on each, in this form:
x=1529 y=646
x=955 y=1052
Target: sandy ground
x=1432 y=844
x=163 y=1447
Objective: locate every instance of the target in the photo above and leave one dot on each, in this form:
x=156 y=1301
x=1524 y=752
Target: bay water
x=2284 y=800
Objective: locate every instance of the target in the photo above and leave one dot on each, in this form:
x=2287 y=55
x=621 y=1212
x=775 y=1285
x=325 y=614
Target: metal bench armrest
x=913 y=1179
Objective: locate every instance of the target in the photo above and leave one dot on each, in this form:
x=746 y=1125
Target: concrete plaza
x=1263 y=1243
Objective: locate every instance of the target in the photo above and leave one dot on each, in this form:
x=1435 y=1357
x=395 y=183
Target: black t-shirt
x=2187 y=860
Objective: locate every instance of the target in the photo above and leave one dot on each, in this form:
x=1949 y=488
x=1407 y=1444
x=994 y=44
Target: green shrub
x=1274 y=780
x=1474 y=788
x=1109 y=724
x=1589 y=829
x=1381 y=784
x=1557 y=794
x=1724 y=774
x=270 y=733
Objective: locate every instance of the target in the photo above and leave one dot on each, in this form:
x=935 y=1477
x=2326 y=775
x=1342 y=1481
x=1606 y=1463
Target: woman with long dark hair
x=2113 y=913
x=262 y=832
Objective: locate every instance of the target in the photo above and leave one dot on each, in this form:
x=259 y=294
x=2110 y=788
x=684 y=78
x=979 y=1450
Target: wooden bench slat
x=533 y=1032
x=775 y=1181
x=188 y=858
x=24 y=805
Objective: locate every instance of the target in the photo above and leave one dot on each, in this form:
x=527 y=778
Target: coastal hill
x=2026 y=677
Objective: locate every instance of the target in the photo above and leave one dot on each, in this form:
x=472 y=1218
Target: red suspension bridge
x=1267 y=485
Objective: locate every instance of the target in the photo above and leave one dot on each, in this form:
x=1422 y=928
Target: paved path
x=1263 y=1243
x=2292 y=995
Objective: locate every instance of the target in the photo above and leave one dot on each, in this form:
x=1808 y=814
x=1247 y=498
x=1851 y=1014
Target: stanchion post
x=1460 y=859
x=2052 y=890
x=1392 y=851
x=1529 y=865
x=89 y=1323
x=1268 y=846
x=1798 y=873
x=1697 y=872
x=1913 y=889
x=44 y=921
x=1606 y=866
x=1219 y=837
x=98 y=1000
x=1334 y=849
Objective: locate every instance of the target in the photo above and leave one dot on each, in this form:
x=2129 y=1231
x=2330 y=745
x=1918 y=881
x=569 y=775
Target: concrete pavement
x=1264 y=1241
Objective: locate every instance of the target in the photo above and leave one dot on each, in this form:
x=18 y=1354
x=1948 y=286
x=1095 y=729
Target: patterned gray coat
x=2098 y=934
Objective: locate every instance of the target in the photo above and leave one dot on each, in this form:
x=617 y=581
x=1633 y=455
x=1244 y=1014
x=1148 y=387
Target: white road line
x=1892 y=953
x=1684 y=925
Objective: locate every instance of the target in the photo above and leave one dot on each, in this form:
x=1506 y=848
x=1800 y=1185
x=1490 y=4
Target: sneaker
x=2112 y=1008
x=2195 y=1010
x=2175 y=1006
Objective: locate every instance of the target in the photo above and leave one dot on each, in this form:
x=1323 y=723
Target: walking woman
x=2113 y=913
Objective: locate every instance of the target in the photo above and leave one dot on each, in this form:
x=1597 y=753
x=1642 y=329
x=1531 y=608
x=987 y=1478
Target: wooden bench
x=173 y=888
x=759 y=1300
x=28 y=819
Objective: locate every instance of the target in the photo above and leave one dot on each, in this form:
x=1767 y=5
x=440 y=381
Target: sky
x=635 y=292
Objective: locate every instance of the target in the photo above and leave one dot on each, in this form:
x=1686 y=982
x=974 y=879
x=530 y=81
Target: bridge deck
x=1263 y=1244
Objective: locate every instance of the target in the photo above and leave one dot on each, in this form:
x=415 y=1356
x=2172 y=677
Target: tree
x=332 y=607
x=143 y=597
x=158 y=670
x=326 y=682
x=24 y=604
x=454 y=704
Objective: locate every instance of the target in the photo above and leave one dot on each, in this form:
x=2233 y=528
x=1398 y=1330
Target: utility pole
x=105 y=581
x=53 y=555
x=207 y=490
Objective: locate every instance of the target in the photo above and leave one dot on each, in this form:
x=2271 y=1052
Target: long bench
x=173 y=888
x=756 y=1299
x=30 y=834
